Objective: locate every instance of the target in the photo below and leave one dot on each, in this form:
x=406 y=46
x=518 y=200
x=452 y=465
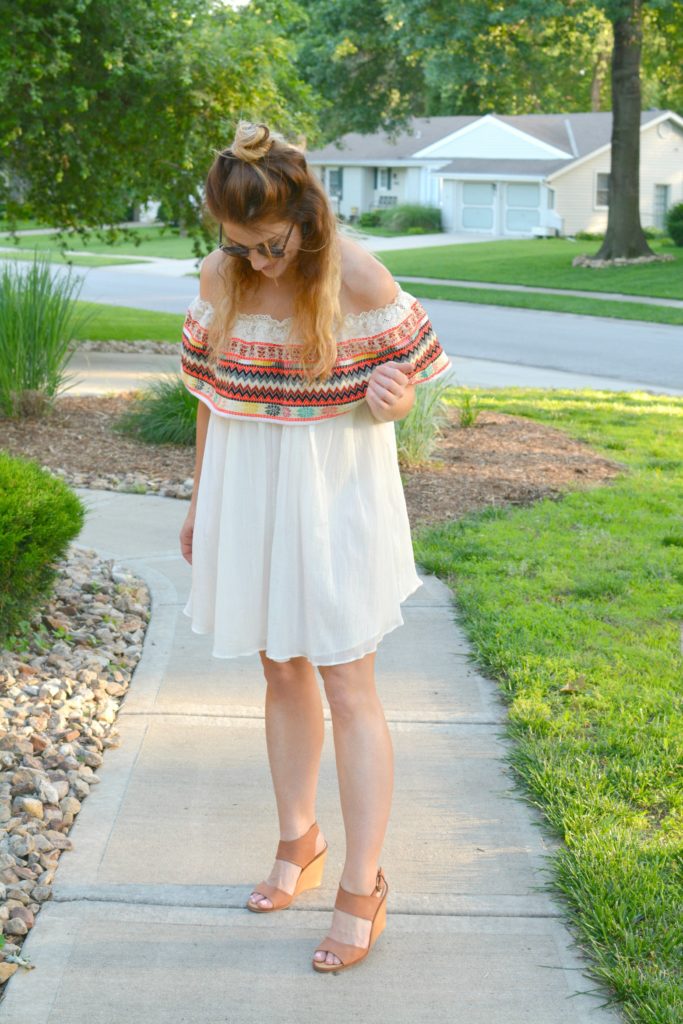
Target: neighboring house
x=514 y=176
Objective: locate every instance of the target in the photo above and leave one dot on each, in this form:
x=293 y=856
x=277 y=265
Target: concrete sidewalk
x=147 y=922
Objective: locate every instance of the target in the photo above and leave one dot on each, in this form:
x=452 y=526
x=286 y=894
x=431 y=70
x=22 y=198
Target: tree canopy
x=108 y=103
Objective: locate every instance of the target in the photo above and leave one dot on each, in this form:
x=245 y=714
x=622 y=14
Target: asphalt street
x=633 y=352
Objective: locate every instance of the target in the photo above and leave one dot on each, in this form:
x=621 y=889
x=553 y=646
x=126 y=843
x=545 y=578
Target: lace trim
x=262 y=327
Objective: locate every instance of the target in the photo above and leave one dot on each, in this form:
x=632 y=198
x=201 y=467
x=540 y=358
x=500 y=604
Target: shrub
x=674 y=223
x=38 y=320
x=371 y=219
x=39 y=515
x=166 y=413
x=410 y=215
x=418 y=432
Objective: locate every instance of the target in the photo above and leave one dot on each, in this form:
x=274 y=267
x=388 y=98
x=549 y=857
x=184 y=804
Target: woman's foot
x=284 y=876
x=357 y=920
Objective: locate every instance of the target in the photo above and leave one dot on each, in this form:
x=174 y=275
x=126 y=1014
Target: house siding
x=661 y=163
x=575 y=196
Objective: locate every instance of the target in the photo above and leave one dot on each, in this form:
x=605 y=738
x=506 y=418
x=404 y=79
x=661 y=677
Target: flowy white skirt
x=301 y=543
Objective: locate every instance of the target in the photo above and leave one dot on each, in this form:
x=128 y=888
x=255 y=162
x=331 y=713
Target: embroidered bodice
x=257 y=374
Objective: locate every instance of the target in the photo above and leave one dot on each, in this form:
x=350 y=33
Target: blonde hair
x=260 y=177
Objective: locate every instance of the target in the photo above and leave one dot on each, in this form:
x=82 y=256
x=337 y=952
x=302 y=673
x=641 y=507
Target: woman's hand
x=387 y=387
x=186 y=532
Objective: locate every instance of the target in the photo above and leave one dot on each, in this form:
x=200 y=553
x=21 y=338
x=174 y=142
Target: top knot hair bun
x=252 y=141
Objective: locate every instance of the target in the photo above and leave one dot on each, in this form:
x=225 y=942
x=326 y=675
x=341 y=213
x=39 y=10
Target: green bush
x=39 y=516
x=38 y=319
x=674 y=223
x=410 y=215
x=166 y=413
x=371 y=219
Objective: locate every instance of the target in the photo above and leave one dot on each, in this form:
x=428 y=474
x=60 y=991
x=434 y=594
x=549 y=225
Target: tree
x=349 y=53
x=109 y=103
x=625 y=237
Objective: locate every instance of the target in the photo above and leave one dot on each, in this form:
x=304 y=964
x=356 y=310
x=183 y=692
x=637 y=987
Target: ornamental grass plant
x=38 y=319
x=418 y=432
x=164 y=413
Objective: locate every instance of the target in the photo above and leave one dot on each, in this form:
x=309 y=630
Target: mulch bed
x=502 y=460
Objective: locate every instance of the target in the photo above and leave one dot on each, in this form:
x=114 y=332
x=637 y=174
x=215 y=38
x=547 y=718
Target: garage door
x=478 y=199
x=522 y=207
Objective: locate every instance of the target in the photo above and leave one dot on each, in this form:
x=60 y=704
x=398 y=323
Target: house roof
x=533 y=168
x=579 y=134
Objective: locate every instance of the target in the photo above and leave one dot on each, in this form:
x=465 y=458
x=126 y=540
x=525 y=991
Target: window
x=335 y=181
x=662 y=203
x=383 y=178
x=602 y=190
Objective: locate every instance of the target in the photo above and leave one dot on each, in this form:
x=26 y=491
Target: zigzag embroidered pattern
x=261 y=381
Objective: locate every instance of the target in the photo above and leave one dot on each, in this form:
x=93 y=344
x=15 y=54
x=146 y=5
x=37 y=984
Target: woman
x=303 y=352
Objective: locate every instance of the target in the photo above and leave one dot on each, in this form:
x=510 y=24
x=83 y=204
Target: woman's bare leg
x=294 y=737
x=365 y=768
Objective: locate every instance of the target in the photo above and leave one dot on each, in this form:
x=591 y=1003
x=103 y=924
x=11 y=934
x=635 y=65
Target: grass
x=575 y=607
x=543 y=263
x=122 y=323
x=58 y=257
x=158 y=241
x=553 y=303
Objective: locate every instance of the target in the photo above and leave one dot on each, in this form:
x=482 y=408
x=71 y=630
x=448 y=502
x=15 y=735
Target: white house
x=511 y=176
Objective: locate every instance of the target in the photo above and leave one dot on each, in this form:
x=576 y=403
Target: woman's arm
x=367 y=284
x=208 y=285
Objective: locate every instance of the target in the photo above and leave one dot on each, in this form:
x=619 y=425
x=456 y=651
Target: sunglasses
x=263 y=249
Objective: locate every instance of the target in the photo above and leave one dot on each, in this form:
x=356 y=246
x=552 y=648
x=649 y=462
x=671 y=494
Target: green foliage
x=38 y=318
x=370 y=219
x=468 y=409
x=405 y=216
x=418 y=432
x=166 y=413
x=674 y=223
x=39 y=516
x=575 y=605
x=123 y=101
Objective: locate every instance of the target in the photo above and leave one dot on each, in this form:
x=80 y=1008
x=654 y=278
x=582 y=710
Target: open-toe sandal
x=372 y=908
x=301 y=852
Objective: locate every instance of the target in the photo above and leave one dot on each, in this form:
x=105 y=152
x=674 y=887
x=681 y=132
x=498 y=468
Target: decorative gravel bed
x=59 y=698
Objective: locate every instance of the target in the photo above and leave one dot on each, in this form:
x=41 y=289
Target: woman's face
x=273 y=232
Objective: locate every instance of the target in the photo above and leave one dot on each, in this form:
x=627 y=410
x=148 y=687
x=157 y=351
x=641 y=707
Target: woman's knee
x=285 y=675
x=350 y=689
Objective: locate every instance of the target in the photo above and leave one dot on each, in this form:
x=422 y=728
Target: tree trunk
x=625 y=236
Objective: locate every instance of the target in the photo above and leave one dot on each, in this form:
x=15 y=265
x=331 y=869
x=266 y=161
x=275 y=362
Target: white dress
x=301 y=544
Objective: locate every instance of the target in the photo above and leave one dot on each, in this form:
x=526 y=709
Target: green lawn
x=145 y=241
x=58 y=257
x=575 y=607
x=540 y=263
x=122 y=323
x=554 y=303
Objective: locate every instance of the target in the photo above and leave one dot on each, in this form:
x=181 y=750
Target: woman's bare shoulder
x=211 y=284
x=366 y=283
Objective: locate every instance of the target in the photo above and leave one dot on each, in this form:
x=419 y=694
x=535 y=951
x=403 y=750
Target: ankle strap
x=299 y=851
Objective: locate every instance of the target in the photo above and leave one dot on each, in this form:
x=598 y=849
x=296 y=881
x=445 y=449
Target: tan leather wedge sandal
x=301 y=852
x=372 y=908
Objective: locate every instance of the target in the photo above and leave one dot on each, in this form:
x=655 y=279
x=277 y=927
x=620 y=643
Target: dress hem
x=324 y=660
